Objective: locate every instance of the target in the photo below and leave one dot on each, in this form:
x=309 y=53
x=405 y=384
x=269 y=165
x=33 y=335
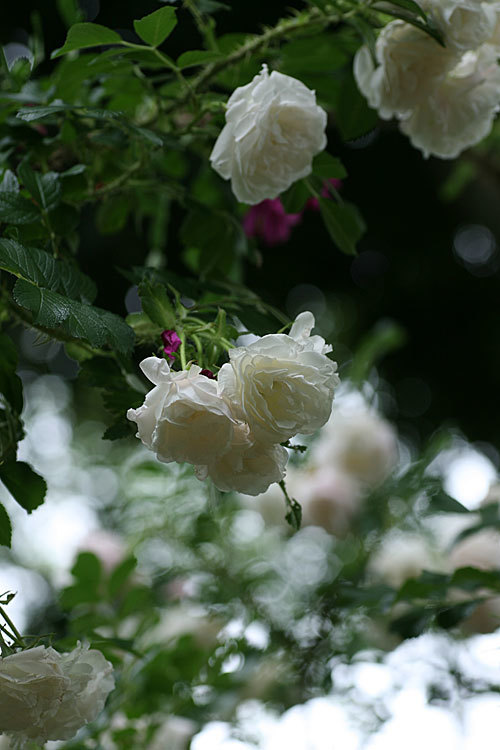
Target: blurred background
x=248 y=641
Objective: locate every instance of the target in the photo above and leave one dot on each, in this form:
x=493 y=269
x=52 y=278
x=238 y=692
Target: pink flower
x=171 y=343
x=269 y=221
x=313 y=203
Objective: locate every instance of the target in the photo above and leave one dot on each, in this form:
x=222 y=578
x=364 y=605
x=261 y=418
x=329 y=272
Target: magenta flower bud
x=269 y=221
x=208 y=374
x=171 y=343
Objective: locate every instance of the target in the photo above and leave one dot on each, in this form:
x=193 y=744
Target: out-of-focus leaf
x=344 y=224
x=157 y=26
x=384 y=338
x=5 y=528
x=327 y=166
x=197 y=57
x=26 y=486
x=84 y=35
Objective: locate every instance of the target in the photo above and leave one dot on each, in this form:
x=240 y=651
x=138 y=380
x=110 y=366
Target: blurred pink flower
x=171 y=343
x=313 y=203
x=269 y=221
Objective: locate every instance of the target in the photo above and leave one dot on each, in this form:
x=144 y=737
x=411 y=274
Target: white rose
x=281 y=384
x=460 y=110
x=273 y=130
x=409 y=63
x=183 y=418
x=446 y=99
x=329 y=498
x=45 y=695
x=248 y=466
x=357 y=441
x=465 y=24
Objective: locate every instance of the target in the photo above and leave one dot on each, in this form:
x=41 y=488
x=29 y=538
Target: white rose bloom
x=45 y=695
x=183 y=418
x=357 y=441
x=248 y=466
x=459 y=112
x=409 y=63
x=446 y=99
x=466 y=24
x=273 y=130
x=403 y=555
x=329 y=498
x=281 y=384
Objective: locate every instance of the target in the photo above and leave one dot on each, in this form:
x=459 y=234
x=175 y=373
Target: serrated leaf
x=49 y=308
x=156 y=27
x=197 y=57
x=98 y=327
x=44 y=188
x=343 y=223
x=42 y=269
x=327 y=166
x=5 y=528
x=14 y=209
x=29 y=114
x=26 y=486
x=84 y=35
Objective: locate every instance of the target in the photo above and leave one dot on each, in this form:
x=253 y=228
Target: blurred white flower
x=466 y=24
x=108 y=546
x=183 y=417
x=409 y=63
x=185 y=619
x=445 y=98
x=273 y=130
x=281 y=384
x=460 y=110
x=174 y=734
x=247 y=466
x=329 y=498
x=403 y=555
x=45 y=695
x=357 y=441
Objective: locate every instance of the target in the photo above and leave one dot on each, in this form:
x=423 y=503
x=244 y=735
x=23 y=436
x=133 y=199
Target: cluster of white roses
x=45 y=695
x=444 y=97
x=273 y=130
x=230 y=429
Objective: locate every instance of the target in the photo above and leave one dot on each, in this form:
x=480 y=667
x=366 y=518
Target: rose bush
x=183 y=418
x=273 y=130
x=281 y=384
x=45 y=695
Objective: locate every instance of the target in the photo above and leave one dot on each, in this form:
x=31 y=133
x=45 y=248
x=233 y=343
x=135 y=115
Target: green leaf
x=49 y=308
x=353 y=115
x=197 y=57
x=327 y=166
x=9 y=182
x=156 y=305
x=10 y=383
x=120 y=575
x=26 y=486
x=408 y=5
x=44 y=188
x=343 y=223
x=441 y=502
x=98 y=327
x=84 y=35
x=5 y=528
x=296 y=197
x=15 y=209
x=112 y=214
x=42 y=269
x=156 y=27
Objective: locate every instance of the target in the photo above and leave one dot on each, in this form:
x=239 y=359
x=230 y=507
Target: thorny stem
x=289 y=26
